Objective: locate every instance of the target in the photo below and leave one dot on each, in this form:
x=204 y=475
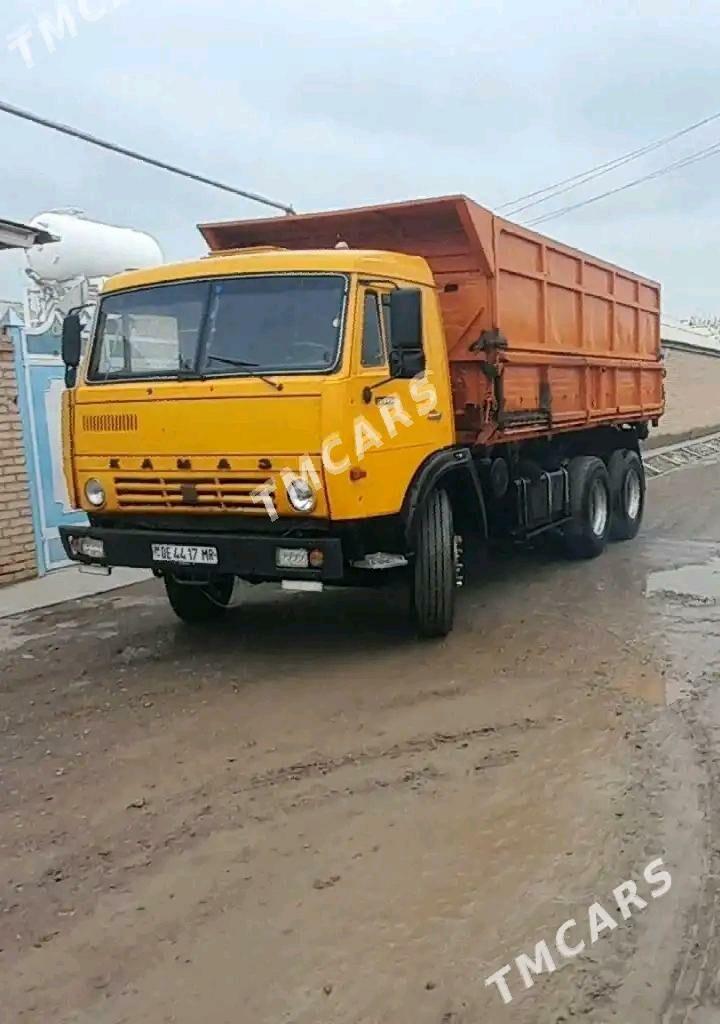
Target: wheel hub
x=633 y=494
x=598 y=508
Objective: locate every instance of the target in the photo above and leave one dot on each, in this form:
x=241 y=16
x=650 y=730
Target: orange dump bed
x=540 y=337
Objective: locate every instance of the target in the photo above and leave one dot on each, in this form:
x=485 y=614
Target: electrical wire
x=93 y=140
x=702 y=154
x=567 y=184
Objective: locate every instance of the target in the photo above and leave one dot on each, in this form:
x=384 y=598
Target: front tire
x=434 y=578
x=198 y=604
x=586 y=536
x=627 y=483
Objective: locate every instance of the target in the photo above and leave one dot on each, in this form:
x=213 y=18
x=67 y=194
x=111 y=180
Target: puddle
x=150 y=601
x=106 y=630
x=693 y=585
x=691 y=593
x=105 y=634
x=12 y=640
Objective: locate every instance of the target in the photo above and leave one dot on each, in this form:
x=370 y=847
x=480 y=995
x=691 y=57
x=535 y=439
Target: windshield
x=276 y=323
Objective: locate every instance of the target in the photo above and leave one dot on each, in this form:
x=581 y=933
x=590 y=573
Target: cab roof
x=266 y=260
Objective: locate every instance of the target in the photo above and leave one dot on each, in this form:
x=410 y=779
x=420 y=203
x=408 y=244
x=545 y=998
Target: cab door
x=399 y=422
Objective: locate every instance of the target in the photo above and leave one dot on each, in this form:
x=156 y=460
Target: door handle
x=435 y=415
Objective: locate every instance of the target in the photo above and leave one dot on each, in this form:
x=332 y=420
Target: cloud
x=326 y=105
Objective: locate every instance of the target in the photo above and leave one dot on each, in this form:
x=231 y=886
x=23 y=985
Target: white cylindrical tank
x=89 y=249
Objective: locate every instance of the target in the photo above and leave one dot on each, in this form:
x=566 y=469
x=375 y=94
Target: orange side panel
x=573 y=341
x=552 y=298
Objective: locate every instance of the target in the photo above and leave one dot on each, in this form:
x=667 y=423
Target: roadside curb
x=695 y=434
x=62 y=586
x=666 y=459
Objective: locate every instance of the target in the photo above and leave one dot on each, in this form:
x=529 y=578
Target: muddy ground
x=305 y=816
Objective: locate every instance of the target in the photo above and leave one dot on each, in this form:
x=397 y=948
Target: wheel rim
x=598 y=508
x=633 y=494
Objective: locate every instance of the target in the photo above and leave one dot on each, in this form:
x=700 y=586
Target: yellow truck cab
x=237 y=416
x=339 y=398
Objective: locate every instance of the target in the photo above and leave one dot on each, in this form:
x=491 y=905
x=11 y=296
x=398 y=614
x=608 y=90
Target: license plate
x=291 y=558
x=184 y=554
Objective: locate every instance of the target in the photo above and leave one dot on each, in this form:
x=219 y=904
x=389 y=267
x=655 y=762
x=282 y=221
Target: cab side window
x=373 y=349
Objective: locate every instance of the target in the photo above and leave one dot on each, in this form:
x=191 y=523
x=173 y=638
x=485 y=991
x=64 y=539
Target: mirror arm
x=368 y=391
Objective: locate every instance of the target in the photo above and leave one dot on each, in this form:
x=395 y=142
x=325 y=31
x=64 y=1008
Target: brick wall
x=17 y=542
x=692 y=388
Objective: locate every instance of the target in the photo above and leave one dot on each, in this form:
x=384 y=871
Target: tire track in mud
x=170 y=823
x=695 y=981
x=415 y=745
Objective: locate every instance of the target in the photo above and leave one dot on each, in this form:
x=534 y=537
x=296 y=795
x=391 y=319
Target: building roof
x=14 y=235
x=11 y=313
x=677 y=334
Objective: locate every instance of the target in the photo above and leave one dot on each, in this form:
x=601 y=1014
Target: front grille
x=106 y=422
x=204 y=493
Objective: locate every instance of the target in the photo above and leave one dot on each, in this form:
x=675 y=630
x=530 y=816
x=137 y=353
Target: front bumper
x=249 y=556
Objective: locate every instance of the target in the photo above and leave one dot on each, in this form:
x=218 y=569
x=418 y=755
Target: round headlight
x=301 y=495
x=95 y=493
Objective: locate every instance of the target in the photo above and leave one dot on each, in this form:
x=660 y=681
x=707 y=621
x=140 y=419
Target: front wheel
x=199 y=603
x=434 y=572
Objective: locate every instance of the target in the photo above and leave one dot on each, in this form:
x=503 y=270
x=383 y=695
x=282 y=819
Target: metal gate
x=40 y=375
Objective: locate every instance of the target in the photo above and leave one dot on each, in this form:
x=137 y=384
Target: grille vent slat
x=105 y=423
x=204 y=493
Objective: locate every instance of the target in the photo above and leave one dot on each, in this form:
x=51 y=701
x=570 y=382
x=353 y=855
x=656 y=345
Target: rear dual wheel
x=606 y=503
x=588 y=532
x=627 y=484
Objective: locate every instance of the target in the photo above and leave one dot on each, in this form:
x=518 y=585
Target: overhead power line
x=702 y=154
x=93 y=140
x=567 y=184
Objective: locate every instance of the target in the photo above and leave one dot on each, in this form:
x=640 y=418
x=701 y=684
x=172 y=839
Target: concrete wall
x=693 y=394
x=17 y=542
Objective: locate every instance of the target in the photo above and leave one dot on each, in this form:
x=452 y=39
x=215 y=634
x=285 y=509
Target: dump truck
x=348 y=398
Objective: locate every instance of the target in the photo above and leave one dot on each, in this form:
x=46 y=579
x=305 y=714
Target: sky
x=324 y=104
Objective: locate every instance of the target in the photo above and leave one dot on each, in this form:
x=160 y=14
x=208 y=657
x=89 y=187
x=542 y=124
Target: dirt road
x=304 y=816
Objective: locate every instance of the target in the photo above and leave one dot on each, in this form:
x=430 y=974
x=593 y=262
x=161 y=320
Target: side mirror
x=407 y=358
x=406 y=319
x=395 y=363
x=71 y=347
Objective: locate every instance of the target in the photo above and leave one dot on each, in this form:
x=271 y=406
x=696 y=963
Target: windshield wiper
x=187 y=372
x=242 y=364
